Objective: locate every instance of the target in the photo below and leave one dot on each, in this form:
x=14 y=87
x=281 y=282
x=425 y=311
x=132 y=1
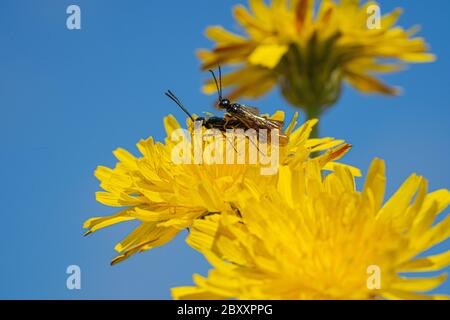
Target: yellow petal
x=368 y=84
x=171 y=124
x=406 y=295
x=222 y=36
x=194 y=293
x=396 y=206
x=418 y=284
x=431 y=263
x=418 y=57
x=115 y=200
x=95 y=224
x=376 y=182
x=126 y=158
x=268 y=55
x=260 y=9
x=203 y=233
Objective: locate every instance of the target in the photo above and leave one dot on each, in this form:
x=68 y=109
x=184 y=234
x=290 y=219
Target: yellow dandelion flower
x=167 y=197
x=308 y=52
x=319 y=238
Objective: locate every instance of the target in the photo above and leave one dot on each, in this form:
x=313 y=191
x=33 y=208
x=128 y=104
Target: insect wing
x=256 y=121
x=249 y=109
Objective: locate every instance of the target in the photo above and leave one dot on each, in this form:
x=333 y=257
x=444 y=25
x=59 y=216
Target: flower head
x=319 y=238
x=309 y=52
x=166 y=196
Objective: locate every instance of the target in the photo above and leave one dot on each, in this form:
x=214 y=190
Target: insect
x=209 y=123
x=244 y=116
x=213 y=122
x=237 y=116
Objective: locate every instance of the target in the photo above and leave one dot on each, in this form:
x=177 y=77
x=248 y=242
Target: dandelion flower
x=319 y=238
x=308 y=53
x=166 y=197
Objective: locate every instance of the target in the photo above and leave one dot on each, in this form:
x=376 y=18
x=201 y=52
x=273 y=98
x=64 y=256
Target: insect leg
x=226 y=138
x=249 y=127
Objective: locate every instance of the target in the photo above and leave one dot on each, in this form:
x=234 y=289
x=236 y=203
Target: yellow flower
x=319 y=238
x=167 y=197
x=308 y=53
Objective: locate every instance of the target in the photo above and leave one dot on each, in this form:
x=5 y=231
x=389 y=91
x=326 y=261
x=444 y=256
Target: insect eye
x=224 y=103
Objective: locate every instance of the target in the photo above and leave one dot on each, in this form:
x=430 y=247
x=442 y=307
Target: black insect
x=246 y=117
x=213 y=122
x=237 y=116
x=209 y=122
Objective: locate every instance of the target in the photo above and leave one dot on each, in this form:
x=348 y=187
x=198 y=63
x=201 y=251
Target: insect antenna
x=220 y=81
x=177 y=101
x=219 y=88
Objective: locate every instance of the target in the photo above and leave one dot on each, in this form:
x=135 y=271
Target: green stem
x=313 y=113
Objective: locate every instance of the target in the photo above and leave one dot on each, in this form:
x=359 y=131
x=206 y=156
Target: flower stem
x=313 y=113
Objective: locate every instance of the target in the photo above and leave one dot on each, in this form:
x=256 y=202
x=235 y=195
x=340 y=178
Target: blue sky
x=69 y=98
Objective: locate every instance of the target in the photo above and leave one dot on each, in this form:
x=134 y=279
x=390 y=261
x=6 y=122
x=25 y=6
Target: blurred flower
x=318 y=238
x=167 y=197
x=308 y=52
